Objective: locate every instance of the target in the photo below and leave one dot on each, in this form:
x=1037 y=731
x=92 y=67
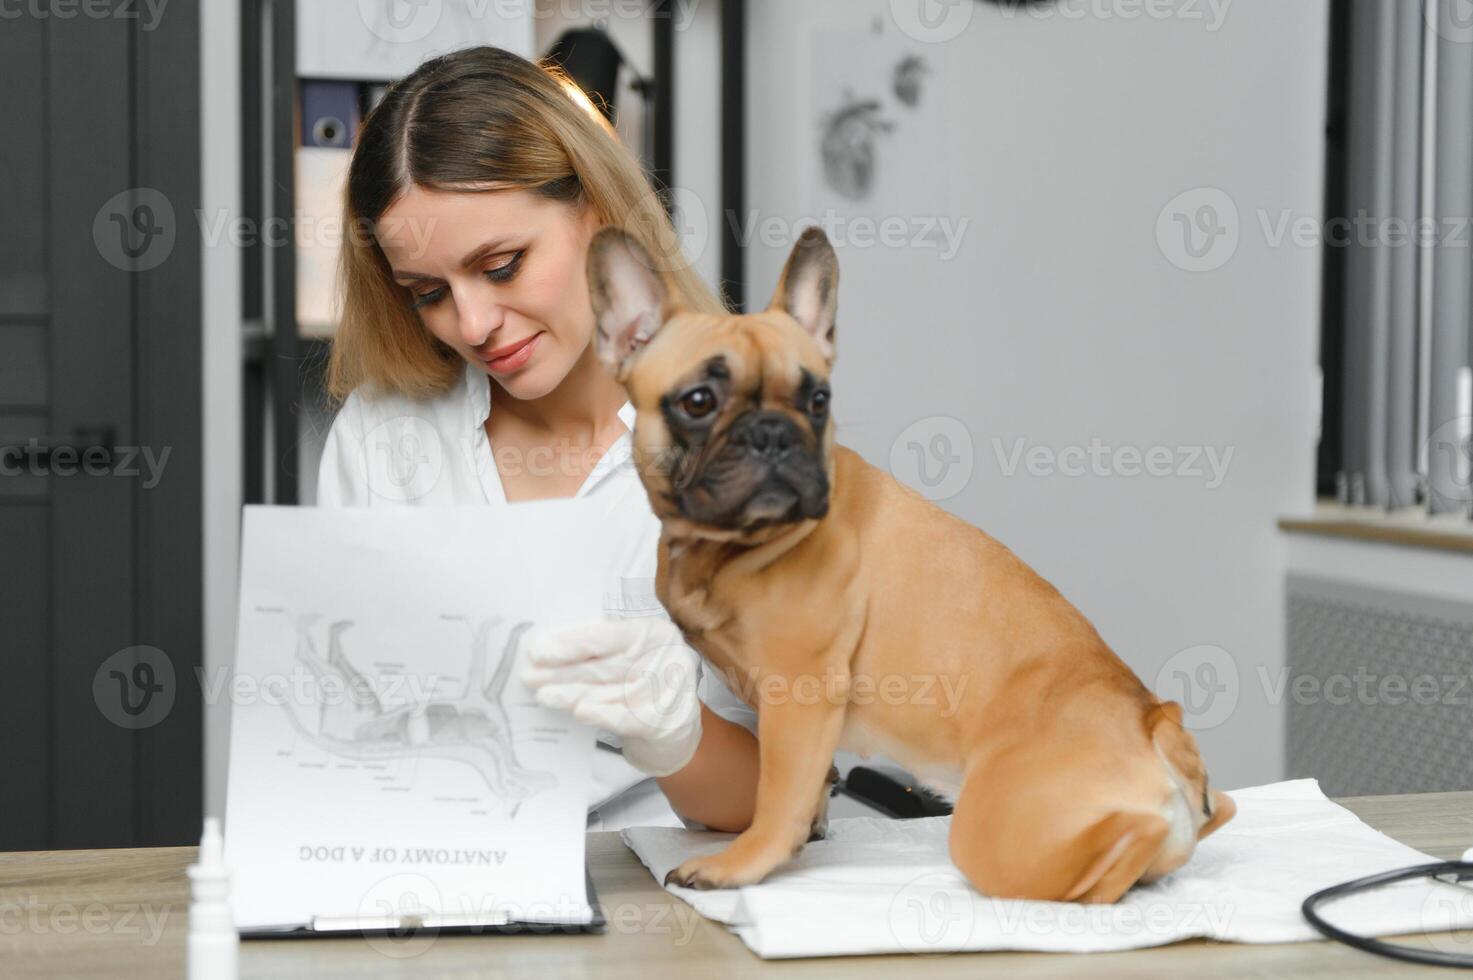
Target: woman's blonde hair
x=477 y=119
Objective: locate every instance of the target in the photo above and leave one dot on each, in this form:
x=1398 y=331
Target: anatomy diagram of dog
x=472 y=729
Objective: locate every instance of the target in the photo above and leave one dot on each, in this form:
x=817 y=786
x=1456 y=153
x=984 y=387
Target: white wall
x=1061 y=320
x=697 y=166
x=220 y=179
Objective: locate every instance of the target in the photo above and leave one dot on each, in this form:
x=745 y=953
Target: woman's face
x=499 y=276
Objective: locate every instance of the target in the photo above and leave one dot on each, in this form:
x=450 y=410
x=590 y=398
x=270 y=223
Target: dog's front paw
x=703 y=874
x=723 y=870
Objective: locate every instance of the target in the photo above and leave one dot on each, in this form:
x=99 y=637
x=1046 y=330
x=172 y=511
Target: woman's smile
x=512 y=357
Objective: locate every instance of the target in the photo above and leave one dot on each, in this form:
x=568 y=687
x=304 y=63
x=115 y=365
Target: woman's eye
x=505 y=271
x=818 y=404
x=698 y=402
x=427 y=298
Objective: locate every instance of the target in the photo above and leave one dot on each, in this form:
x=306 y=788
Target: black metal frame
x=254 y=386
x=272 y=350
x=662 y=125
x=284 y=347
x=733 y=151
x=1331 y=454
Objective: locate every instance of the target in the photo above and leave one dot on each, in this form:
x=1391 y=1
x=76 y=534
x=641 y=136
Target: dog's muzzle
x=766 y=473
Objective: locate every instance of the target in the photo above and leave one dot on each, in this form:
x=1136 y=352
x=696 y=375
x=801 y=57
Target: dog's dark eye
x=818 y=403
x=698 y=402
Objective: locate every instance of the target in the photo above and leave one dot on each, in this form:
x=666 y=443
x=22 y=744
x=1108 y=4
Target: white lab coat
x=391 y=450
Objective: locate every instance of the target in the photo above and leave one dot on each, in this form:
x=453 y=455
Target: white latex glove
x=633 y=677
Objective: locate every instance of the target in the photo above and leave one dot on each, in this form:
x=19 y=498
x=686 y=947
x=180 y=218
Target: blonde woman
x=465 y=366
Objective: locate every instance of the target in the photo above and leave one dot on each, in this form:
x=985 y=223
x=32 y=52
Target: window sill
x=1410 y=527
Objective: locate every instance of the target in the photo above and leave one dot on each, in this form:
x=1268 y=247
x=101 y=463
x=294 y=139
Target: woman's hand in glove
x=633 y=677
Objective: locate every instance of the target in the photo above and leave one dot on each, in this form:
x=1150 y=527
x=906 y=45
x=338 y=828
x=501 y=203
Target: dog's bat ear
x=809 y=288
x=628 y=294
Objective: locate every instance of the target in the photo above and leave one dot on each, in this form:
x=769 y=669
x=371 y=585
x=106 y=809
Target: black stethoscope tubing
x=1458 y=870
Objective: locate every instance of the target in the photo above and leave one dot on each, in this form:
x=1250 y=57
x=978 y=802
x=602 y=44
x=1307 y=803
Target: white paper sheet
x=384 y=758
x=888 y=886
x=387 y=39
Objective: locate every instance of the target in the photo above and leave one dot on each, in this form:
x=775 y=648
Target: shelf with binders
x=330 y=112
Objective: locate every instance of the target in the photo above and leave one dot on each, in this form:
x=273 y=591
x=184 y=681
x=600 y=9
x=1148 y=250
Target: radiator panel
x=1379 y=689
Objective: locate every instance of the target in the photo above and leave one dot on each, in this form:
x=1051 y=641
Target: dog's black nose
x=770 y=433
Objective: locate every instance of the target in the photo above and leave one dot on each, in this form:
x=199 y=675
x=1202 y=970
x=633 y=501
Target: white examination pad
x=887 y=886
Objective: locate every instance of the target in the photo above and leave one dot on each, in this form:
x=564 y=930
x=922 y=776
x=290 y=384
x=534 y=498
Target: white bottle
x=214 y=945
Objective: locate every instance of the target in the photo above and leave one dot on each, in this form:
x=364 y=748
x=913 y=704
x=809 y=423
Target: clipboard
x=378 y=645
x=414 y=926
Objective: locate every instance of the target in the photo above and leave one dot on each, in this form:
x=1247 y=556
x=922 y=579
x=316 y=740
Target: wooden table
x=124 y=913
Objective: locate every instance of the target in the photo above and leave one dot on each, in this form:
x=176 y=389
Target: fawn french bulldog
x=793 y=566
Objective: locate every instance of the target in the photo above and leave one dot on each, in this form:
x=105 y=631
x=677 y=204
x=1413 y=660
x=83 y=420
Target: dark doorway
x=100 y=400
